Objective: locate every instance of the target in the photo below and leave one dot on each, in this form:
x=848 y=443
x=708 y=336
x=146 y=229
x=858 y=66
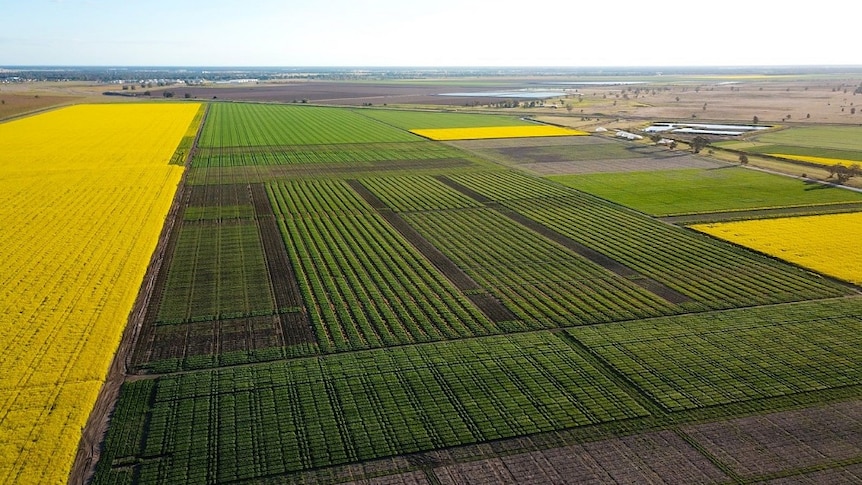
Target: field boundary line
x=94 y=431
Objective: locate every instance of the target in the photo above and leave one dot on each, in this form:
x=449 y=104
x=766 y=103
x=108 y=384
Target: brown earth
x=336 y=93
x=13 y=105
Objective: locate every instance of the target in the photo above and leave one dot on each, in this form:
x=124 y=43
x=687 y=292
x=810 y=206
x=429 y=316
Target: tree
x=569 y=107
x=698 y=143
x=755 y=120
x=843 y=174
x=655 y=138
x=672 y=144
x=743 y=159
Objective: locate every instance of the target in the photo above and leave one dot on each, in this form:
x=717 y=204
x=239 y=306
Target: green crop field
x=711 y=274
x=739 y=355
x=364 y=285
x=271 y=419
x=847 y=138
x=341 y=301
x=544 y=285
x=231 y=282
x=231 y=125
x=670 y=192
x=409 y=120
x=838 y=142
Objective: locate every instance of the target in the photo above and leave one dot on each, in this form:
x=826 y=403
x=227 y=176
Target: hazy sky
x=426 y=33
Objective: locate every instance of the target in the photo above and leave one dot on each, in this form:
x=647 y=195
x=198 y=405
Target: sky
x=566 y=33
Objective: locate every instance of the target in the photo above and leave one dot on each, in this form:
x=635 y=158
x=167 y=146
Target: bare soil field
x=762 y=445
x=661 y=457
x=12 y=105
x=809 y=446
x=582 y=154
x=773 y=100
x=336 y=93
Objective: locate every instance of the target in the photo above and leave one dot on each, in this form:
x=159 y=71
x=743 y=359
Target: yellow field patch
x=484 y=132
x=84 y=192
x=817 y=160
x=828 y=244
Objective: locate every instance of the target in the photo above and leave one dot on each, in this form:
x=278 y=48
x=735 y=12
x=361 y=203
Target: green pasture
x=696 y=191
x=839 y=142
x=847 y=138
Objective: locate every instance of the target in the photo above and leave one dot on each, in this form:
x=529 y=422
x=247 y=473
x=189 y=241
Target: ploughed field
x=341 y=299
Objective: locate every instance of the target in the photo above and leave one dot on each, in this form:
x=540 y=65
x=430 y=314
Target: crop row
x=510 y=185
x=217 y=271
x=218 y=213
x=709 y=359
x=272 y=419
x=416 y=193
x=711 y=273
x=541 y=282
x=365 y=286
x=236 y=124
x=322 y=198
x=351 y=153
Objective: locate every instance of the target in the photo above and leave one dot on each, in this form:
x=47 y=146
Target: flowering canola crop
x=476 y=133
x=817 y=160
x=84 y=192
x=828 y=244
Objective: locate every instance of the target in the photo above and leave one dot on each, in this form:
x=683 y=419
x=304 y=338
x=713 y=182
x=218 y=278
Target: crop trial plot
x=661 y=457
x=805 y=438
x=270 y=419
x=694 y=361
x=364 y=285
x=711 y=274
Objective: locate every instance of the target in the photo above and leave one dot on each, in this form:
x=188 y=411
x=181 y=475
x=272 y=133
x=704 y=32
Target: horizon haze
x=446 y=33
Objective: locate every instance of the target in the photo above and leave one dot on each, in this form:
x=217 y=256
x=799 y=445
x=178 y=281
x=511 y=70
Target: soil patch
x=340 y=93
x=296 y=327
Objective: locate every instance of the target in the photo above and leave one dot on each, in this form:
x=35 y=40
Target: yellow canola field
x=828 y=244
x=817 y=160
x=484 y=132
x=84 y=192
